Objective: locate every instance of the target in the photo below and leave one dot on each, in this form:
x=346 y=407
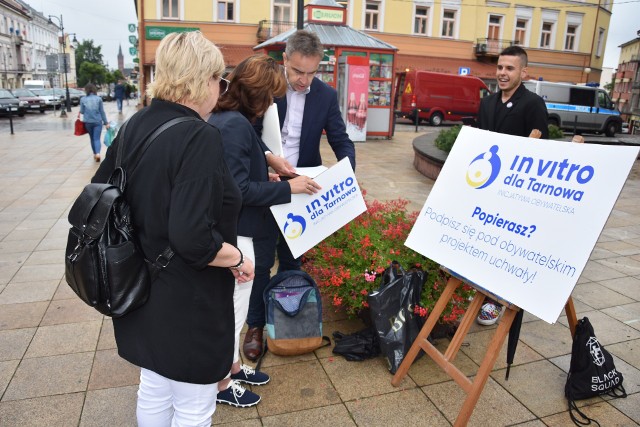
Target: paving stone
x=228 y=415
x=21 y=292
x=46 y=257
x=596 y=272
x=425 y=371
x=355 y=380
x=45 y=376
x=25 y=315
x=14 y=342
x=59 y=410
x=598 y=296
x=608 y=416
x=297 y=386
x=329 y=416
x=107 y=338
x=110 y=370
x=64 y=339
x=627 y=265
x=629 y=351
x=7 y=368
x=100 y=407
x=545 y=339
x=630 y=406
x=627 y=286
x=69 y=311
x=607 y=329
x=495 y=406
x=628 y=314
x=478 y=342
x=400 y=408
x=621 y=247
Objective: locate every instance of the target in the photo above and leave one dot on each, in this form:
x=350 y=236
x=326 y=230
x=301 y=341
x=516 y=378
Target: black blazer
x=321 y=112
x=182 y=195
x=526 y=112
x=244 y=154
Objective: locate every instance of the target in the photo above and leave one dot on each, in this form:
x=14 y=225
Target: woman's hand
x=280 y=165
x=303 y=184
x=245 y=273
x=274 y=177
x=106 y=125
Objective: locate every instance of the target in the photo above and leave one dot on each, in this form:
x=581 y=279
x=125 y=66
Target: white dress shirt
x=292 y=126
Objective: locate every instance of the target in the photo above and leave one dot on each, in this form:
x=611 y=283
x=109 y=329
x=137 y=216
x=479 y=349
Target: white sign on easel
x=519 y=217
x=309 y=219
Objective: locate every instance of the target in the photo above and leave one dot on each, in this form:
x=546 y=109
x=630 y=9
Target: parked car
x=103 y=95
x=9 y=104
x=34 y=103
x=47 y=95
x=76 y=95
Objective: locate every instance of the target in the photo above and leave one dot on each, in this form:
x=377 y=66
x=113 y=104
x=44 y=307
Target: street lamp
x=64 y=59
x=6 y=74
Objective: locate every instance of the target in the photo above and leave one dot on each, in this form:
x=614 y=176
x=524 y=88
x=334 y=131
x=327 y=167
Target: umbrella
x=512 y=343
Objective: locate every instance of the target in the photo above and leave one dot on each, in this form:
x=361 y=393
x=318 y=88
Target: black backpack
x=591 y=373
x=104 y=264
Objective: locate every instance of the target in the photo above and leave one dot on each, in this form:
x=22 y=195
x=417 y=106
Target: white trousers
x=166 y=403
x=241 y=295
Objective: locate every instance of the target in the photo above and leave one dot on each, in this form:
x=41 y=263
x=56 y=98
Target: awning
x=234 y=54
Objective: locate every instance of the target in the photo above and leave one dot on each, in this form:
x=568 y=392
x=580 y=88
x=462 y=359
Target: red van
x=438 y=96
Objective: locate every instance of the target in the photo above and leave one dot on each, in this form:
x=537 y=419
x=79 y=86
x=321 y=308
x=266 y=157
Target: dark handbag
x=80 y=128
x=392 y=311
x=591 y=372
x=357 y=346
x=104 y=264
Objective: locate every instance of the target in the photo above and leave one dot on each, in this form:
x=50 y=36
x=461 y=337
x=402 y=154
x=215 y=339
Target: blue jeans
x=94 y=130
x=265 y=250
x=119 y=104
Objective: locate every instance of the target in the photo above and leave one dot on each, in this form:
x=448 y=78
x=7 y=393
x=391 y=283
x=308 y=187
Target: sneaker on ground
x=489 y=314
x=237 y=396
x=249 y=375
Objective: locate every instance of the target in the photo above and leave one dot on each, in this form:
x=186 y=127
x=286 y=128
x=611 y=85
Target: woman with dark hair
x=94 y=117
x=254 y=83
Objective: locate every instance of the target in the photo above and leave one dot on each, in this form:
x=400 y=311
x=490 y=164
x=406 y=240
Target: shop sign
x=327 y=15
x=158 y=33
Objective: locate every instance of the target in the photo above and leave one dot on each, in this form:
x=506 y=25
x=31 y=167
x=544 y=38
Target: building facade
x=565 y=39
x=626 y=89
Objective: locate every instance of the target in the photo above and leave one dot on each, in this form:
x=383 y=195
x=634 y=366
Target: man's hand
x=280 y=165
x=535 y=133
x=577 y=138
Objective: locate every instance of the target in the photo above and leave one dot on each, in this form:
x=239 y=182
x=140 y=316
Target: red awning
x=234 y=54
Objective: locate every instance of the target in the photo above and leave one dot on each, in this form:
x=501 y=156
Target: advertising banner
x=358 y=90
x=309 y=219
x=519 y=217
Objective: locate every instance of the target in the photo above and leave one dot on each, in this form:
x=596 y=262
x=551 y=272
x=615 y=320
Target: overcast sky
x=105 y=21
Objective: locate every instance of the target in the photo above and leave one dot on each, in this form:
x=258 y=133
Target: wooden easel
x=445 y=361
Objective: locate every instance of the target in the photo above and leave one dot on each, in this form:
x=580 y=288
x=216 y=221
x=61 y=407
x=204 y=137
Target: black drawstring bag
x=591 y=372
x=357 y=346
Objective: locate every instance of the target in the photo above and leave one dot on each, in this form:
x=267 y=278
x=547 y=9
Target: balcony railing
x=492 y=47
x=269 y=29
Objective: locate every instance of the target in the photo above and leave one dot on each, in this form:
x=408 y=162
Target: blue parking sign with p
x=464 y=71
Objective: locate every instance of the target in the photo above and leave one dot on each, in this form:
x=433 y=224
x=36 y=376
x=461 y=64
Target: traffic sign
x=133 y=51
x=136 y=60
x=133 y=40
x=464 y=71
x=132 y=28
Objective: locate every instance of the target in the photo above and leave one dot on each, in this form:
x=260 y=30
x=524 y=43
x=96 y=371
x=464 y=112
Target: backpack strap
x=165 y=256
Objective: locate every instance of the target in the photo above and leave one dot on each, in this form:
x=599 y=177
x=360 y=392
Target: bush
x=447 y=137
x=555 y=132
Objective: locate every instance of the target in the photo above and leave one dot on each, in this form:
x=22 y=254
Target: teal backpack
x=293 y=314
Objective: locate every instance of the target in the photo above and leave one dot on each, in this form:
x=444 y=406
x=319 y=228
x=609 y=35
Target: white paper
x=309 y=219
x=311 y=172
x=519 y=217
x=271 y=130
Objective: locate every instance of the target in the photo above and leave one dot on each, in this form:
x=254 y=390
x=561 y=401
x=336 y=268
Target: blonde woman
x=183 y=196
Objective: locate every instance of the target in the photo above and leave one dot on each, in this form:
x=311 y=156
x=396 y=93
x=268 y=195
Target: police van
x=579 y=108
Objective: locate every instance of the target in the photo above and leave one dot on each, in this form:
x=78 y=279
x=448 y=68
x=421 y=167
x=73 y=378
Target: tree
x=91 y=73
x=91 y=56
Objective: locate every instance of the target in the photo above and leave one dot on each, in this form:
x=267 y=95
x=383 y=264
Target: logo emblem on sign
x=294 y=227
x=484 y=169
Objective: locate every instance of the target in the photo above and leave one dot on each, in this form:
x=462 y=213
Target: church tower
x=120 y=59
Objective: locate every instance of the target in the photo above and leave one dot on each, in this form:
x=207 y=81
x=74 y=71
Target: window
x=545 y=35
x=170 y=9
x=372 y=10
x=282 y=10
x=448 y=23
x=570 y=40
x=494 y=27
x=600 y=42
x=421 y=19
x=521 y=32
x=225 y=10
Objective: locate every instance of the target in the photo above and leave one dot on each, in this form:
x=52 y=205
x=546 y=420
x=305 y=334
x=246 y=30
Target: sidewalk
x=59 y=365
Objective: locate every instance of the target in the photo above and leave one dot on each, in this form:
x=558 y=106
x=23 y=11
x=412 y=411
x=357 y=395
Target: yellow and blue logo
x=484 y=169
x=294 y=227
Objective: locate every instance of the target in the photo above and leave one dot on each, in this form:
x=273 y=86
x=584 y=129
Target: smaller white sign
x=464 y=71
x=309 y=219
